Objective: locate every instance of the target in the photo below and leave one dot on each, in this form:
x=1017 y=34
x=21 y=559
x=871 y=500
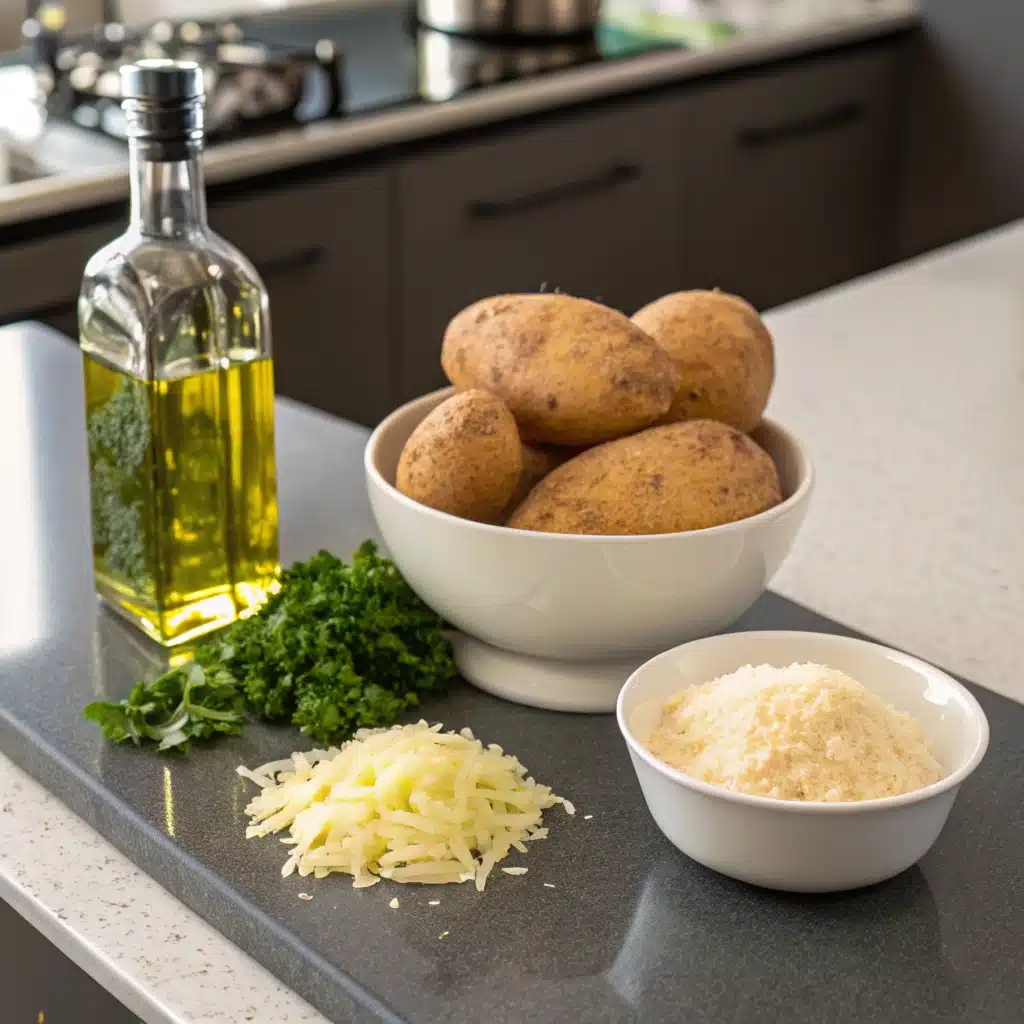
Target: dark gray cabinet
x=787 y=176
x=586 y=204
x=962 y=140
x=41 y=984
x=40 y=277
x=322 y=249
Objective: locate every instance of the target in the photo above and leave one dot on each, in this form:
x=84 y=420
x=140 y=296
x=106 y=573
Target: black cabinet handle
x=617 y=174
x=816 y=124
x=303 y=259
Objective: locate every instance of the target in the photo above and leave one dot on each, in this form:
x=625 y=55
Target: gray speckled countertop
x=94 y=172
x=925 y=559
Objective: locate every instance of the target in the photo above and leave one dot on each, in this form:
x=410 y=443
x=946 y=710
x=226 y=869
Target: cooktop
x=389 y=59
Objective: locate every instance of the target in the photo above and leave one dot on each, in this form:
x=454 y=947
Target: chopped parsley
x=341 y=646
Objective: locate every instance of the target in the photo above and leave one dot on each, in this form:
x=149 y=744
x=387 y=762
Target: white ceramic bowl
x=565 y=619
x=794 y=845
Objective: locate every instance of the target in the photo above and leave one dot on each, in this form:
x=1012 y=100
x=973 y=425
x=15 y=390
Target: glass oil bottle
x=179 y=388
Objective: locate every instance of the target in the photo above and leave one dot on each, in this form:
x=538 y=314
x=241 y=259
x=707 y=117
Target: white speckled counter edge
x=153 y=954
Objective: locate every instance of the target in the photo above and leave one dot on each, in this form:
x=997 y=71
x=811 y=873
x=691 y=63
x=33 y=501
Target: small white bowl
x=560 y=621
x=795 y=845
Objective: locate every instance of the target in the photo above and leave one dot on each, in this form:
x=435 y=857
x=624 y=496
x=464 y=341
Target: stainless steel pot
x=533 y=18
x=451 y=64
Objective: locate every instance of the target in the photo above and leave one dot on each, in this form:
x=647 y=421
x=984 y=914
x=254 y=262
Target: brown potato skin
x=573 y=372
x=464 y=458
x=723 y=350
x=667 y=479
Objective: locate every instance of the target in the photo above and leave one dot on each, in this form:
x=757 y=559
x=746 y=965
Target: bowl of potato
x=592 y=489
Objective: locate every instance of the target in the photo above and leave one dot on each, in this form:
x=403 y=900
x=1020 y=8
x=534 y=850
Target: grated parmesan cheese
x=805 y=732
x=410 y=803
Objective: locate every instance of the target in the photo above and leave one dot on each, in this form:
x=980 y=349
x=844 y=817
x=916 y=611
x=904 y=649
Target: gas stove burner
x=250 y=85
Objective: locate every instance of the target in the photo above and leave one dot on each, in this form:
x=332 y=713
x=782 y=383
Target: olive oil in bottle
x=179 y=389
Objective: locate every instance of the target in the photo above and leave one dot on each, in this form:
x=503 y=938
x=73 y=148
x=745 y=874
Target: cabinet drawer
x=40 y=279
x=322 y=250
x=788 y=182
x=585 y=204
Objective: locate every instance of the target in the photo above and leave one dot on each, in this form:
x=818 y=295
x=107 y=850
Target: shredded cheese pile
x=410 y=803
x=805 y=732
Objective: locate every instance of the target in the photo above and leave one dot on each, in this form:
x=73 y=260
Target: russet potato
x=724 y=353
x=667 y=479
x=572 y=372
x=464 y=458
